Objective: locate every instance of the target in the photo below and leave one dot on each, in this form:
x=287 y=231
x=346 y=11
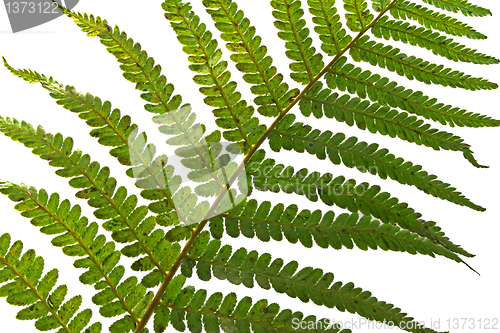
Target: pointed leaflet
x=430 y=40
x=347 y=77
x=307 y=64
x=250 y=57
x=77 y=238
x=194 y=310
x=127 y=221
x=35 y=292
x=265 y=222
x=333 y=35
x=307 y=284
x=233 y=114
x=363 y=156
x=402 y=9
x=386 y=56
x=463 y=6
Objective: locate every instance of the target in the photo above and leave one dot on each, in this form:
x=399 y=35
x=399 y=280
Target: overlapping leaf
x=463 y=6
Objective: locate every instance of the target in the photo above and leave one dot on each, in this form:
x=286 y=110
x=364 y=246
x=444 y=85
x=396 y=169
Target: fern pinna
x=180 y=230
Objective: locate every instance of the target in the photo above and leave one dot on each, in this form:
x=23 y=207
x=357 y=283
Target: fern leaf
x=332 y=34
x=386 y=56
x=193 y=310
x=369 y=200
x=29 y=289
x=233 y=114
x=430 y=40
x=463 y=6
x=381 y=119
x=346 y=77
x=358 y=15
x=363 y=156
x=307 y=64
x=128 y=222
x=273 y=95
x=307 y=284
x=79 y=238
x=403 y=10
x=279 y=222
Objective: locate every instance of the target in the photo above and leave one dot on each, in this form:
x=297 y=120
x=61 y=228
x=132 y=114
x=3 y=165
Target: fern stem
x=173 y=270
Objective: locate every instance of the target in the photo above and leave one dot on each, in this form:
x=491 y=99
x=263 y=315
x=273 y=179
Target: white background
x=425 y=288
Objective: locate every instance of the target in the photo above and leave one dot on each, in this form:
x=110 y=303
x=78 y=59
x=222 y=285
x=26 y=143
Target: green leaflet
x=232 y=113
x=34 y=292
x=273 y=95
x=81 y=240
x=428 y=39
x=463 y=6
x=307 y=284
x=358 y=15
x=193 y=310
x=402 y=9
x=332 y=34
x=346 y=77
x=307 y=64
x=385 y=56
x=127 y=221
x=278 y=222
x=381 y=119
x=362 y=156
x=369 y=200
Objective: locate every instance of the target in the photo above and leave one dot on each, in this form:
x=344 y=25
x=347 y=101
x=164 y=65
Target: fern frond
x=463 y=6
x=128 y=222
x=386 y=56
x=250 y=57
x=381 y=119
x=363 y=156
x=358 y=15
x=331 y=32
x=79 y=238
x=430 y=40
x=232 y=113
x=190 y=309
x=27 y=288
x=403 y=10
x=289 y=20
x=279 y=222
x=307 y=284
x=346 y=77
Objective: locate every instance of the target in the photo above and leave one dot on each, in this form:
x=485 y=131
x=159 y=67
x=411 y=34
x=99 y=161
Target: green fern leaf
x=279 y=222
x=307 y=284
x=250 y=57
x=127 y=221
x=403 y=10
x=463 y=6
x=332 y=34
x=363 y=156
x=358 y=15
x=307 y=64
x=428 y=39
x=193 y=310
x=36 y=294
x=346 y=77
x=78 y=238
x=386 y=56
x=233 y=114
x=381 y=119
x=369 y=200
